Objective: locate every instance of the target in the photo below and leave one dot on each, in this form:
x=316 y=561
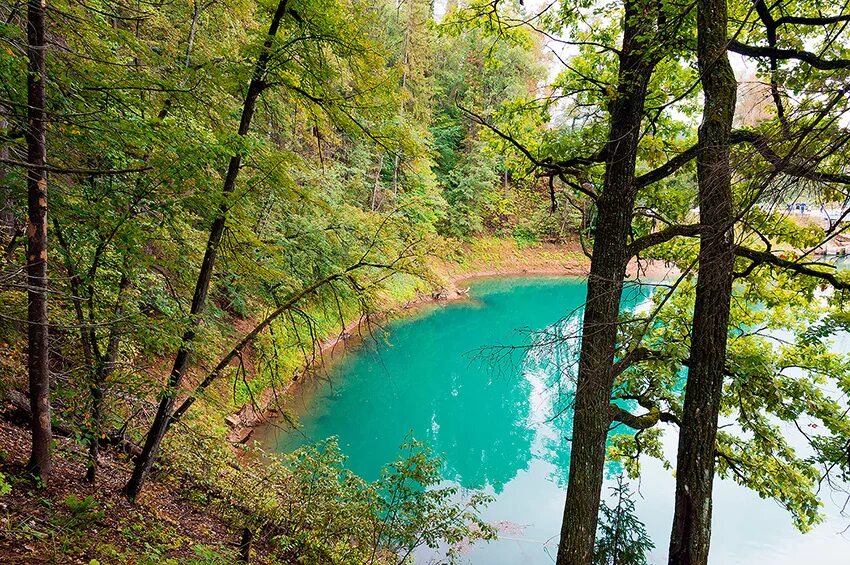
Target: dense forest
x=197 y=196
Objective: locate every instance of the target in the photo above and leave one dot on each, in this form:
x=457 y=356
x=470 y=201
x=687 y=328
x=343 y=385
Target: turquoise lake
x=460 y=376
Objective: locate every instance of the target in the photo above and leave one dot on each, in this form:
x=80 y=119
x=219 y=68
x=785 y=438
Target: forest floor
x=77 y=522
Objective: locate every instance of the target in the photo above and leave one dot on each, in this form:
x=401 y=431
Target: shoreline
x=454 y=291
x=499 y=258
x=247 y=422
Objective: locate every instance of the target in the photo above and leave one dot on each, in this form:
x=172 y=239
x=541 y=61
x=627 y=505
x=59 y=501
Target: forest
x=202 y=202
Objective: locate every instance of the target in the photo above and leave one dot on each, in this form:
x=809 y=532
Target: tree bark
x=615 y=206
x=690 y=537
x=245 y=545
x=181 y=360
x=105 y=367
x=37 y=362
x=375 y=202
x=8 y=223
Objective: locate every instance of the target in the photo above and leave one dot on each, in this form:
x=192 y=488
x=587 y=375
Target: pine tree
x=621 y=538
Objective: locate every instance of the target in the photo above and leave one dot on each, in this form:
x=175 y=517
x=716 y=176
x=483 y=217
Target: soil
x=42 y=525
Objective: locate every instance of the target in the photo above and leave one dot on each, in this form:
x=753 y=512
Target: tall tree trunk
x=37 y=363
x=404 y=72
x=375 y=201
x=245 y=545
x=181 y=360
x=8 y=227
x=193 y=26
x=689 y=541
x=105 y=367
x=604 y=289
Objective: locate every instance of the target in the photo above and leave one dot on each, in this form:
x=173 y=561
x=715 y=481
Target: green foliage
x=5 y=486
x=357 y=147
x=782 y=371
x=345 y=172
x=377 y=132
x=414 y=511
x=316 y=511
x=209 y=556
x=82 y=513
x=621 y=538
x=473 y=165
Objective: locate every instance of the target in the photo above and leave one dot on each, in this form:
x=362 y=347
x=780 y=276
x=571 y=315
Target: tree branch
x=71 y=171
x=667 y=168
x=762 y=145
x=812 y=21
x=643 y=421
x=663 y=236
x=811 y=59
x=765 y=257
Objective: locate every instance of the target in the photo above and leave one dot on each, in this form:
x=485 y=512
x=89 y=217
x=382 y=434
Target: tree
x=319 y=63
x=665 y=198
x=475 y=172
x=181 y=360
x=415 y=70
x=689 y=541
x=621 y=537
x=640 y=53
x=37 y=321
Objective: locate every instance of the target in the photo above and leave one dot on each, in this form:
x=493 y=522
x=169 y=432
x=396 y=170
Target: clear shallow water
x=492 y=414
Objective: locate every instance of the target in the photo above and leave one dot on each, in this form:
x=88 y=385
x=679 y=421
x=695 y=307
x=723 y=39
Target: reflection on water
x=487 y=410
x=498 y=416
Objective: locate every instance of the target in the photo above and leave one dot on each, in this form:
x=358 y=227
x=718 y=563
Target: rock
x=441 y=294
x=241 y=435
x=232 y=420
x=246 y=413
x=19 y=401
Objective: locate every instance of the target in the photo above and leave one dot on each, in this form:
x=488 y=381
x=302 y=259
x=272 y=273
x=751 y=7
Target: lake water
x=493 y=414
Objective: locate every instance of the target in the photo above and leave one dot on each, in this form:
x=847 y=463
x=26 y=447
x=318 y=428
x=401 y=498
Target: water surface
x=496 y=415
